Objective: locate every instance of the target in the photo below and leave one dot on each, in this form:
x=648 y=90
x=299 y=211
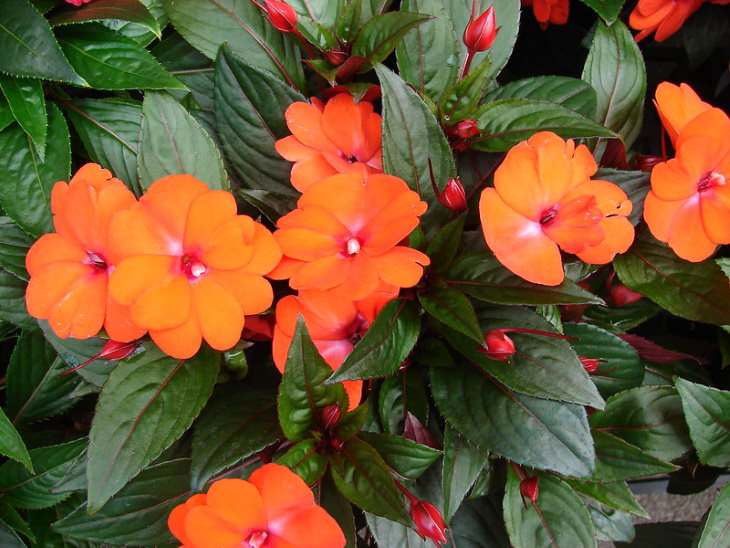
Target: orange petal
x=219 y=315
x=343 y=196
x=687 y=236
x=329 y=316
x=670 y=181
x=610 y=198
x=285 y=269
x=305 y=244
x=281 y=490
x=293 y=150
x=280 y=348
x=266 y=251
x=311 y=170
x=715 y=212
x=239 y=503
x=310 y=527
x=400 y=266
x=164 y=305
x=136 y=232
x=321 y=274
x=618 y=237
x=80 y=313
x=305 y=122
x=118 y=322
x=52 y=248
x=176 y=519
x=52 y=283
x=135 y=275
x=711 y=123
x=180 y=342
x=362 y=278
x=677 y=105
x=354 y=393
x=253 y=293
x=342 y=122
x=206 y=529
x=168 y=200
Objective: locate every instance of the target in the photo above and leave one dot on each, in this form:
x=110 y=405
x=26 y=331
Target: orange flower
x=190 y=266
x=677 y=106
x=543 y=201
x=663 y=16
x=335 y=325
x=273 y=509
x=549 y=11
x=343 y=237
x=689 y=203
x=69 y=268
x=337 y=137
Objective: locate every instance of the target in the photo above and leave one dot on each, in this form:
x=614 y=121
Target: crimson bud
x=480 y=33
x=453 y=196
x=281 y=15
x=331 y=415
x=467 y=128
x=497 y=345
x=647 y=163
x=428 y=521
x=622 y=295
x=112 y=351
x=529 y=488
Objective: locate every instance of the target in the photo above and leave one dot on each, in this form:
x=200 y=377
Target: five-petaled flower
x=549 y=11
x=189 y=266
x=340 y=136
x=677 y=106
x=664 y=17
x=273 y=509
x=543 y=201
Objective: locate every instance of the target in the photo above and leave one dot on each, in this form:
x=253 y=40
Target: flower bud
x=622 y=295
x=497 y=345
x=529 y=488
x=480 y=33
x=453 y=196
x=331 y=415
x=336 y=57
x=466 y=129
x=647 y=163
x=281 y=15
x=429 y=522
x=591 y=365
x=112 y=351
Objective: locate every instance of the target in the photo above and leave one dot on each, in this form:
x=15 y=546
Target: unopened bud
x=497 y=345
x=336 y=57
x=428 y=521
x=529 y=488
x=647 y=163
x=480 y=33
x=331 y=415
x=466 y=129
x=281 y=15
x=453 y=196
x=337 y=444
x=622 y=295
x=591 y=365
x=112 y=351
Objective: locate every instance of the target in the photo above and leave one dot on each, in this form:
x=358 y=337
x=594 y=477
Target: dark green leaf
x=366 y=480
x=479 y=523
x=462 y=464
x=540 y=433
x=109 y=129
x=349 y=20
x=14 y=245
x=389 y=533
x=239 y=420
x=11 y=444
x=649 y=417
x=12 y=302
x=715 y=532
x=126 y=10
x=445 y=244
x=29 y=47
x=9 y=538
x=707 y=411
x=352 y=422
x=506 y=122
x=271 y=204
x=25 y=194
x=6 y=115
x=10 y=516
x=28 y=105
x=24 y=489
x=172 y=142
x=572 y=93
x=703 y=32
x=240 y=24
x=323 y=11
x=408 y=458
x=618 y=460
x=611 y=524
x=483 y=277
x=385 y=345
x=137 y=516
x=451 y=307
x=696 y=291
x=608 y=10
x=305 y=460
x=399 y=395
x=619 y=319
x=614 y=494
x=250 y=105
x=634 y=183
x=380 y=35
x=302 y=392
x=137 y=31
x=615 y=69
x=462 y=98
x=145 y=405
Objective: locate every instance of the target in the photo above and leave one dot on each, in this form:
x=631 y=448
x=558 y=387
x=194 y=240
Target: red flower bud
x=647 y=163
x=331 y=415
x=112 y=351
x=497 y=345
x=529 y=488
x=429 y=522
x=591 y=365
x=467 y=128
x=336 y=57
x=622 y=295
x=281 y=15
x=453 y=196
x=480 y=33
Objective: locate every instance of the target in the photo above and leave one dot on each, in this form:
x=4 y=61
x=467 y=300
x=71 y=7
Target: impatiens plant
x=344 y=273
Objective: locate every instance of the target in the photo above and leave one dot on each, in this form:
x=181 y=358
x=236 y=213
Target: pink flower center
x=710 y=179
x=192 y=267
x=256 y=540
x=352 y=246
x=96 y=260
x=548 y=215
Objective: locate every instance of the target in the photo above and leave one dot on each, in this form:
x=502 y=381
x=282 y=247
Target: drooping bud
x=112 y=351
x=497 y=345
x=281 y=15
x=529 y=488
x=428 y=521
x=647 y=163
x=480 y=33
x=331 y=415
x=453 y=196
x=414 y=430
x=466 y=129
x=622 y=295
x=591 y=365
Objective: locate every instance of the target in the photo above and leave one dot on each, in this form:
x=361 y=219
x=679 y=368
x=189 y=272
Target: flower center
x=710 y=179
x=356 y=329
x=192 y=267
x=352 y=246
x=96 y=260
x=256 y=540
x=549 y=215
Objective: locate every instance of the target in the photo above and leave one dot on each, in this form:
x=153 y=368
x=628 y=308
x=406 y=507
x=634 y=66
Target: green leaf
x=462 y=464
x=611 y=524
x=380 y=35
x=559 y=514
x=408 y=458
x=109 y=129
x=29 y=47
x=28 y=105
x=137 y=31
x=614 y=494
x=366 y=480
x=250 y=105
x=35 y=391
x=109 y=60
x=479 y=523
x=172 y=142
x=506 y=122
x=271 y=204
x=461 y=99
x=412 y=136
x=12 y=302
x=445 y=244
x=239 y=420
x=618 y=460
x=615 y=69
x=26 y=194
x=428 y=56
x=209 y=24
x=6 y=115
x=607 y=9
x=540 y=433
x=137 y=515
x=385 y=345
x=542 y=366
x=649 y=417
x=302 y=392
x=622 y=368
x=703 y=33
x=11 y=444
x=339 y=508
x=9 y=538
x=483 y=277
x=399 y=395
x=323 y=12
x=24 y=489
x=14 y=245
x=452 y=308
x=707 y=411
x=390 y=533
x=305 y=460
x=572 y=93
x=145 y=405
x=696 y=291
x=125 y=10
x=10 y=517
x=715 y=532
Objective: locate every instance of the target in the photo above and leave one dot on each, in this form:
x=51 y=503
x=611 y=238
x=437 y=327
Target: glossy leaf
x=339 y=508
x=28 y=105
x=715 y=531
x=607 y=9
x=614 y=494
x=12 y=302
x=379 y=36
x=707 y=411
x=145 y=405
x=696 y=291
x=480 y=523
x=133 y=11
x=572 y=93
x=451 y=307
x=172 y=142
x=399 y=395
x=11 y=444
x=618 y=460
x=408 y=458
x=137 y=31
x=611 y=524
x=443 y=247
x=391 y=533
x=462 y=464
x=305 y=460
x=539 y=433
x=14 y=245
x=460 y=101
